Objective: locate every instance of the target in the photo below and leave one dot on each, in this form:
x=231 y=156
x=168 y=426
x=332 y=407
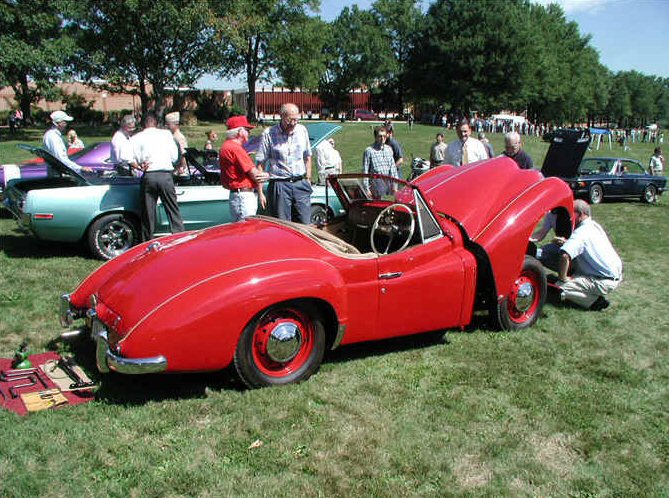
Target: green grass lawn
x=576 y=406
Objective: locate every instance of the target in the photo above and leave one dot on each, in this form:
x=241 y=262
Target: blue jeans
x=284 y=197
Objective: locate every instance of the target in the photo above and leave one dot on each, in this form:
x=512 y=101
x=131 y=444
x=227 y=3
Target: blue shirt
x=284 y=154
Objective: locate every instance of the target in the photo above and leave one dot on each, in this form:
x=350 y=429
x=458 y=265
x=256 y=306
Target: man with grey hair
x=238 y=173
x=121 y=152
x=597 y=268
x=285 y=153
x=514 y=149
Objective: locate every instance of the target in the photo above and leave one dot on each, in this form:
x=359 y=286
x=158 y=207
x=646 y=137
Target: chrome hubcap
x=524 y=297
x=284 y=342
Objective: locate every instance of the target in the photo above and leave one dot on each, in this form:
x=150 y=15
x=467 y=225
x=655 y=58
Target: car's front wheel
x=282 y=345
x=596 y=194
x=111 y=235
x=523 y=304
x=649 y=194
x=319 y=215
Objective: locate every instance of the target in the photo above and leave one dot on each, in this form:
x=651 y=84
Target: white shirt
x=155 y=147
x=120 y=148
x=475 y=151
x=54 y=145
x=596 y=255
x=328 y=160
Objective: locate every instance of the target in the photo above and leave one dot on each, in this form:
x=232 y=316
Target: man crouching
x=597 y=269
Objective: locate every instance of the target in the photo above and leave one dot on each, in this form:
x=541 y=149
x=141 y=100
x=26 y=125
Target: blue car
x=599 y=178
x=102 y=210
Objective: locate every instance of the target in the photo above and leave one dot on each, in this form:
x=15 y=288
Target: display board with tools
x=35 y=382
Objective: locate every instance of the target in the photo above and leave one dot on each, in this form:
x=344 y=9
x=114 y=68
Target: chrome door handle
x=391 y=275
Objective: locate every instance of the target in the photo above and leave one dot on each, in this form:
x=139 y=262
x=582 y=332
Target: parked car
x=102 y=210
x=599 y=178
x=269 y=297
x=95 y=157
x=362 y=115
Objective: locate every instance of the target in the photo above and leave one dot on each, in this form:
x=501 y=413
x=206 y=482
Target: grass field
x=576 y=406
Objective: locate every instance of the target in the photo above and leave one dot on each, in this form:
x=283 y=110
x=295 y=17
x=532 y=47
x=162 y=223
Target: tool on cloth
x=67 y=375
x=42 y=400
x=21 y=360
x=30 y=375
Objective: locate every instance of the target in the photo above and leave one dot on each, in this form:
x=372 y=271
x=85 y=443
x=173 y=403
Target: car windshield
x=593 y=166
x=374 y=187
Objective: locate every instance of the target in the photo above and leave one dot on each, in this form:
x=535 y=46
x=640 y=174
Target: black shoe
x=600 y=305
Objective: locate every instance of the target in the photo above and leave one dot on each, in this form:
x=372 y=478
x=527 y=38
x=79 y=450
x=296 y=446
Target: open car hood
x=565 y=153
x=54 y=166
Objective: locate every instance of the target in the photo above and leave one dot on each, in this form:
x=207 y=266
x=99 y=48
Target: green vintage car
x=102 y=210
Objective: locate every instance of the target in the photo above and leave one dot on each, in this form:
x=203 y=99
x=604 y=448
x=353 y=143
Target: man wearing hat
x=172 y=121
x=238 y=173
x=54 y=144
x=285 y=153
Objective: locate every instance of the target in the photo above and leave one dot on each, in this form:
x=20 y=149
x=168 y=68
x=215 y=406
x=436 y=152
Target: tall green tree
x=400 y=19
x=146 y=46
x=475 y=55
x=359 y=54
x=35 y=49
x=256 y=36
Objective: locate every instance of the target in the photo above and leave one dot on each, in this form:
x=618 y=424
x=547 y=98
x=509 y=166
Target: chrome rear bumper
x=106 y=360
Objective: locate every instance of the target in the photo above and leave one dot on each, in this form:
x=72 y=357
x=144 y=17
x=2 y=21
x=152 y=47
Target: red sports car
x=270 y=296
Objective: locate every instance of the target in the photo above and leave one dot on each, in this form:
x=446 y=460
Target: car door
x=635 y=178
x=617 y=186
x=420 y=289
x=201 y=206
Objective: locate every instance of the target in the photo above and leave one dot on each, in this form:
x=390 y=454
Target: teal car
x=102 y=210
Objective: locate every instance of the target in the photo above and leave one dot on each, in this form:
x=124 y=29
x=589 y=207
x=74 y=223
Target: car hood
x=56 y=166
x=159 y=271
x=565 y=153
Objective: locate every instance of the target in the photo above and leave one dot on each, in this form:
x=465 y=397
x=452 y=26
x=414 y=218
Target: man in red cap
x=238 y=173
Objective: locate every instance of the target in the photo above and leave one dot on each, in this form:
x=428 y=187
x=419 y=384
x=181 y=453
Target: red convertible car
x=269 y=297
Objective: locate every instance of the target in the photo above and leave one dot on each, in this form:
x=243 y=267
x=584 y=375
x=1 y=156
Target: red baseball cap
x=238 y=122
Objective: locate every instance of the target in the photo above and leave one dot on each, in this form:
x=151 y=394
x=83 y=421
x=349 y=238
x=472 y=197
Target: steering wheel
x=391 y=224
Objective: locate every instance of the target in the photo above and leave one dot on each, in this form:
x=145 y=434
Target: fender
x=505 y=238
x=80 y=298
x=219 y=308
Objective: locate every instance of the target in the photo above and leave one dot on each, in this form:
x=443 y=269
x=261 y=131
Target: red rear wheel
x=282 y=345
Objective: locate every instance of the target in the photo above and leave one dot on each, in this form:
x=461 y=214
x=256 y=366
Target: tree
x=475 y=55
x=134 y=44
x=35 y=47
x=256 y=36
x=359 y=54
x=400 y=19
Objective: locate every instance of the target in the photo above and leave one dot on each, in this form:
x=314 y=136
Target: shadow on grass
x=140 y=389
x=26 y=246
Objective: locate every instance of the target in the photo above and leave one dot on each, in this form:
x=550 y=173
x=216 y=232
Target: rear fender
x=199 y=328
x=80 y=298
x=505 y=238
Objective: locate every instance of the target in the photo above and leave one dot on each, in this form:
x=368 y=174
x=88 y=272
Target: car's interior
x=374 y=226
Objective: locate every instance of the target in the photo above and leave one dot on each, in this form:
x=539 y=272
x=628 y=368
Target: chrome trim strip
x=340 y=335
x=107 y=361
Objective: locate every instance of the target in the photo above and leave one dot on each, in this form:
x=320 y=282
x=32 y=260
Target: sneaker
x=600 y=305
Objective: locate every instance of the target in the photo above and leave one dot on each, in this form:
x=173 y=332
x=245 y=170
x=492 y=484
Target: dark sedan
x=599 y=178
